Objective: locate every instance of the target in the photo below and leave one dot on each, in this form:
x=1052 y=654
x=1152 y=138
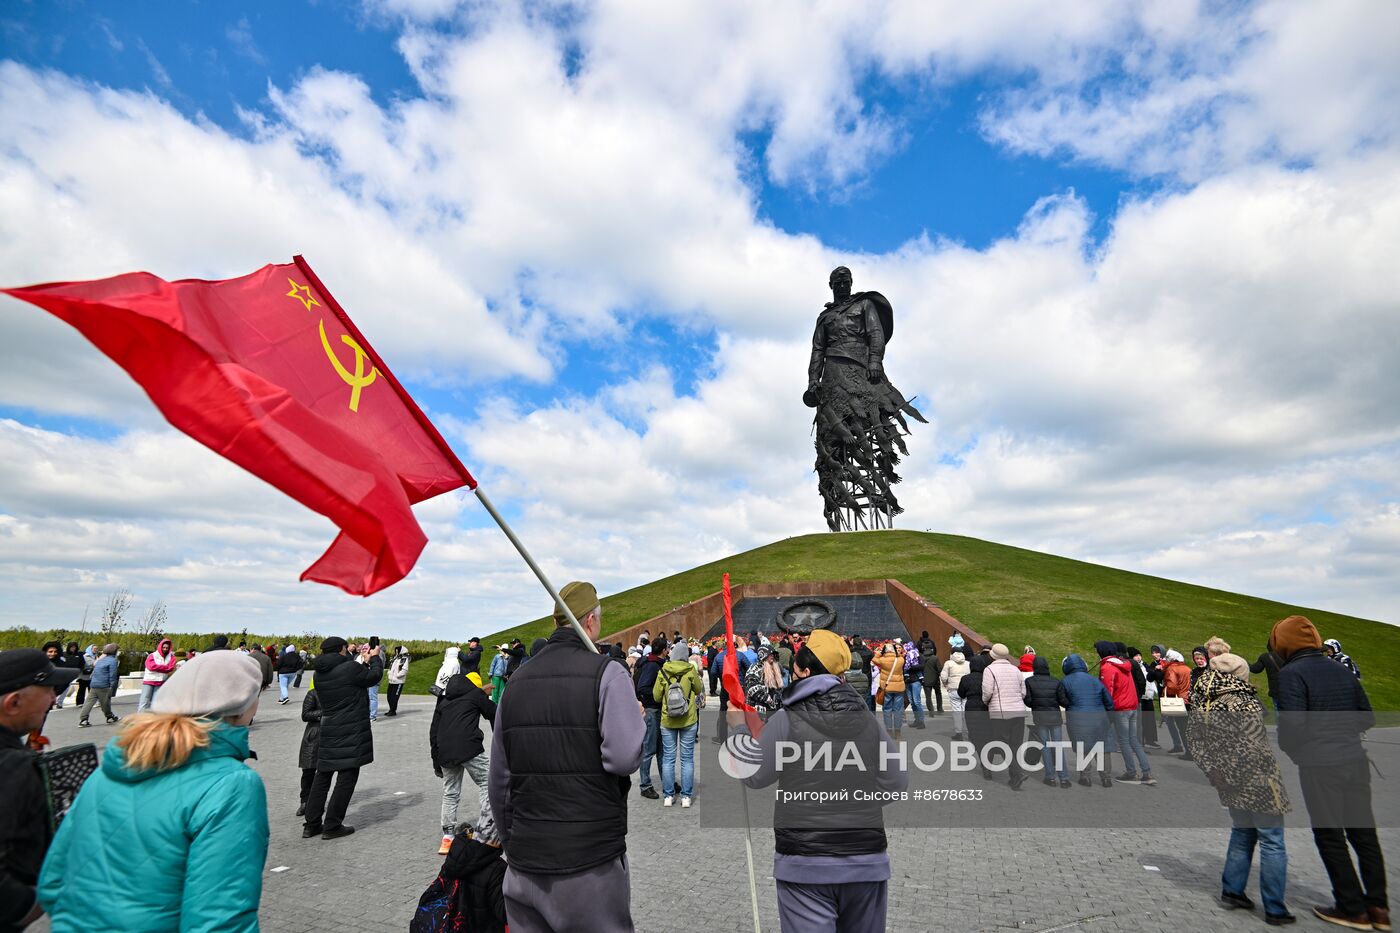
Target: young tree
x=152 y=624
x=114 y=613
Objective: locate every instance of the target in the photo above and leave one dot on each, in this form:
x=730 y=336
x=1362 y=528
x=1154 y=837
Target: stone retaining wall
x=694 y=619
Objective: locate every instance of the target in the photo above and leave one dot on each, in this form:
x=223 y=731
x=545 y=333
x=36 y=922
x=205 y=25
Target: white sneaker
x=669 y=801
x=685 y=803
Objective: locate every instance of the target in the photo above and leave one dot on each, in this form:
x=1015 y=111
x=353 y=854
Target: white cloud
x=1208 y=393
x=1193 y=90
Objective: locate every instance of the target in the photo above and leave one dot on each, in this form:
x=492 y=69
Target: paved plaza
x=686 y=877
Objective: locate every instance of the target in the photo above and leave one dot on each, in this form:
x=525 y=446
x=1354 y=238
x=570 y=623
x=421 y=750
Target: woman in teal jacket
x=171 y=832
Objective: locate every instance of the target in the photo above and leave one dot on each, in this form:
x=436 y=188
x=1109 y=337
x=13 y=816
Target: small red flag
x=730 y=674
x=268 y=371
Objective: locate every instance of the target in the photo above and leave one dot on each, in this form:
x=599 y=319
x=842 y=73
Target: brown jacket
x=1176 y=679
x=889 y=670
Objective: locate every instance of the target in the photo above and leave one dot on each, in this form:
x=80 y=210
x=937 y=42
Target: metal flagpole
x=740 y=703
x=568 y=613
x=748 y=851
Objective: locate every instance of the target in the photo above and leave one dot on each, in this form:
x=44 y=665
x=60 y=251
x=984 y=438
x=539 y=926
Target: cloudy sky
x=1142 y=257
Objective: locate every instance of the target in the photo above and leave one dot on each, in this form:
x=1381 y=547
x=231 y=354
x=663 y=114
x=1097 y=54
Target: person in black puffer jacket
x=848 y=840
x=1269 y=664
x=979 y=723
x=456 y=743
x=346 y=742
x=310 y=740
x=1323 y=711
x=1046 y=696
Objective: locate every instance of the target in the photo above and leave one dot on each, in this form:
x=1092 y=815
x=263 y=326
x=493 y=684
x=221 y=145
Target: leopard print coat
x=1226 y=735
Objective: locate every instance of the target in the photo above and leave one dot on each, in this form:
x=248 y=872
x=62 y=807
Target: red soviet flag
x=729 y=673
x=268 y=371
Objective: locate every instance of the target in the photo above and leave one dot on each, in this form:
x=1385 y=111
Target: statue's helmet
x=840 y=272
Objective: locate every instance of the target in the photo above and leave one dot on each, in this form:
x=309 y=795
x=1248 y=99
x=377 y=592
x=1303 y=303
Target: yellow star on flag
x=297 y=293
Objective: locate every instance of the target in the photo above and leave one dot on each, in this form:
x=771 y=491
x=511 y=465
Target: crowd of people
x=570 y=728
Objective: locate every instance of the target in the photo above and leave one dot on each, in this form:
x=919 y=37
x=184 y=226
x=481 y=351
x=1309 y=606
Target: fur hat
x=214 y=684
x=1231 y=664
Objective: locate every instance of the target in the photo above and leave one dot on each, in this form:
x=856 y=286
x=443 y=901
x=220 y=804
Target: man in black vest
x=832 y=864
x=567 y=737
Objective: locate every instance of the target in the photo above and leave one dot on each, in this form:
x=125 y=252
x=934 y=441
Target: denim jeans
x=1174 y=728
x=1125 y=728
x=915 y=698
x=1267 y=830
x=284 y=681
x=148 y=693
x=685 y=738
x=894 y=711
x=651 y=746
x=373 y=701
x=1053 y=759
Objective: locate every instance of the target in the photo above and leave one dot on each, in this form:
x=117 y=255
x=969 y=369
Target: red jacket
x=1116 y=676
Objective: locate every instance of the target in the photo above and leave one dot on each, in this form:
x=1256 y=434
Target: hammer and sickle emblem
x=356 y=380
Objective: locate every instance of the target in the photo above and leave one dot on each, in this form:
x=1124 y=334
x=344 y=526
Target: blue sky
x=1121 y=242
x=945 y=180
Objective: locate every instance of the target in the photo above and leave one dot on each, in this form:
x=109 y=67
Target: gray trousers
x=858 y=907
x=101 y=695
x=476 y=768
x=594 y=901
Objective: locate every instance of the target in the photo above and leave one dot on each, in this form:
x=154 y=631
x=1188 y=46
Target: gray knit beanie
x=214 y=684
x=680 y=652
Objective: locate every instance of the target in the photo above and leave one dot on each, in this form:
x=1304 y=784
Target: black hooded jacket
x=970 y=687
x=1045 y=695
x=482 y=870
x=311 y=734
x=346 y=739
x=1268 y=664
x=455 y=735
x=1323 y=710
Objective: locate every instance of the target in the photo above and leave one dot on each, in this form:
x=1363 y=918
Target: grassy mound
x=1011 y=595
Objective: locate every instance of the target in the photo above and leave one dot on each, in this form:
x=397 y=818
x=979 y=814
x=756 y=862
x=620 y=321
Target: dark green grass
x=1010 y=595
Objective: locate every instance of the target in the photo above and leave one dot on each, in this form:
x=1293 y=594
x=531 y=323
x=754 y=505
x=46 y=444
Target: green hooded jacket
x=178 y=850
x=694 y=688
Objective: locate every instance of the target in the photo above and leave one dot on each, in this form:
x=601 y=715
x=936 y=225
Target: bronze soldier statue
x=860 y=415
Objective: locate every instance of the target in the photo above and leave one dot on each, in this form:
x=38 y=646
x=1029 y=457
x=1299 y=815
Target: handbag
x=1173 y=706
x=64 y=770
